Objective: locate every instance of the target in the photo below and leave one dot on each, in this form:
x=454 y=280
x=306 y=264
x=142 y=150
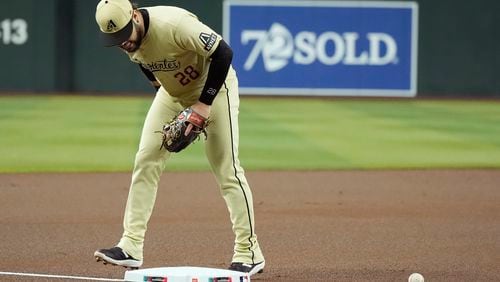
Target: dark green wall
x=459 y=48
x=29 y=66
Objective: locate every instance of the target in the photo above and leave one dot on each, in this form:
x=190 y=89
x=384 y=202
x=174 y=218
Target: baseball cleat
x=249 y=268
x=116 y=256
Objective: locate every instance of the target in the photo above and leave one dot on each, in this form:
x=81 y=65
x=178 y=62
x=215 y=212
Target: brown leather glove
x=174 y=133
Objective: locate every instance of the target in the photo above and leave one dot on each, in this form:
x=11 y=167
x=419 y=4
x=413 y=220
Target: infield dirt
x=312 y=226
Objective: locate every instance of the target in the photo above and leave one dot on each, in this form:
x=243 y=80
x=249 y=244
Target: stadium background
x=458 y=48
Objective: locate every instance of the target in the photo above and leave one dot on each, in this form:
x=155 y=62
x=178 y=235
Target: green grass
x=82 y=133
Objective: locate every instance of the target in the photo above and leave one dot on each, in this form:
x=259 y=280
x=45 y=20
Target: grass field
x=84 y=133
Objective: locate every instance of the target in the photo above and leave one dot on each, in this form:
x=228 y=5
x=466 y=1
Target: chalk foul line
x=59 y=276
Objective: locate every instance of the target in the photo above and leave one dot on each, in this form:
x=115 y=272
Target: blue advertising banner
x=358 y=48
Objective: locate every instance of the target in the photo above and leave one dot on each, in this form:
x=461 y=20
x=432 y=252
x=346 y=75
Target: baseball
x=416 y=277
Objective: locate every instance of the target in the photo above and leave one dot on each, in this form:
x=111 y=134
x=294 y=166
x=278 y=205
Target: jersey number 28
x=187 y=76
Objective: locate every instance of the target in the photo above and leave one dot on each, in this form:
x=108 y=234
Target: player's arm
x=219 y=66
x=220 y=62
x=151 y=77
x=193 y=35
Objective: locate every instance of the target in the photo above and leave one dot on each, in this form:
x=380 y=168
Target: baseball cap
x=114 y=18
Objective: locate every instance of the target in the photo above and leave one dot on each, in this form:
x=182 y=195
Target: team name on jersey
x=163 y=65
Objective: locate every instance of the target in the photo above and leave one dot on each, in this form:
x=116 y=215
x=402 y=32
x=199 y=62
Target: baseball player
x=190 y=66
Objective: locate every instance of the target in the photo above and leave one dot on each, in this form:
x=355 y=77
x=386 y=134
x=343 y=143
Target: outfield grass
x=82 y=133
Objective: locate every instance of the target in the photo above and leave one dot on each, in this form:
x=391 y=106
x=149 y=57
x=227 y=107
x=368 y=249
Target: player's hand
x=201 y=109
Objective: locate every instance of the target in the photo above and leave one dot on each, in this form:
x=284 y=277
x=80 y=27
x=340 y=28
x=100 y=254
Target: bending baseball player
x=197 y=94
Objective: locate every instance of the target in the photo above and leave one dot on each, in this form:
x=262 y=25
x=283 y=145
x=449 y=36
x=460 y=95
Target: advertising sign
x=348 y=48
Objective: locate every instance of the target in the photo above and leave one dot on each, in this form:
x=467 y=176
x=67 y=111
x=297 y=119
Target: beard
x=133 y=45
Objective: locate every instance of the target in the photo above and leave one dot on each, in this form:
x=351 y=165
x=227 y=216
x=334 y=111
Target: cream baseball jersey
x=176 y=49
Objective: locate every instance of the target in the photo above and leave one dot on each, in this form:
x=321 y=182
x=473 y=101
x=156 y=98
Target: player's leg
x=148 y=166
x=222 y=152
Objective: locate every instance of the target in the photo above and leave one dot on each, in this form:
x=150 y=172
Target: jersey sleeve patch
x=208 y=40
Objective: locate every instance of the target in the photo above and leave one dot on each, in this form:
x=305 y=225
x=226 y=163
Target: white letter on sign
x=305 y=48
x=376 y=39
x=339 y=48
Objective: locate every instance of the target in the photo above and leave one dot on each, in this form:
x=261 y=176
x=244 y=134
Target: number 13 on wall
x=13 y=31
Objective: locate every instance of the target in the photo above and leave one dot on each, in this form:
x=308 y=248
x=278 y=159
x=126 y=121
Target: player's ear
x=135 y=16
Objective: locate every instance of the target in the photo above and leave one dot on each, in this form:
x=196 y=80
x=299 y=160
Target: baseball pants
x=221 y=148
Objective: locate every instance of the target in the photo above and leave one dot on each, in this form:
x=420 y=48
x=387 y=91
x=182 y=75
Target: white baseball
x=416 y=277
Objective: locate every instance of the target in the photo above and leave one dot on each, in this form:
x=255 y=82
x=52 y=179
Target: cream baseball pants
x=221 y=149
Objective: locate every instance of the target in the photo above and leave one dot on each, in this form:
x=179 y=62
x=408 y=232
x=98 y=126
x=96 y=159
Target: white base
x=185 y=274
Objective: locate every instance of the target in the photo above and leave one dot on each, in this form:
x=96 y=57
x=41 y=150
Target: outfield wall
x=52 y=45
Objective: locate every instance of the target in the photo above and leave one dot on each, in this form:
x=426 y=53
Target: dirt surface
x=312 y=226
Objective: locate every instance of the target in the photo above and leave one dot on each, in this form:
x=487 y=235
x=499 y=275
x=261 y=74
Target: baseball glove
x=174 y=137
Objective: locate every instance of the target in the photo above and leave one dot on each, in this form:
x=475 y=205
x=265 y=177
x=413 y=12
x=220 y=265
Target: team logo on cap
x=111 y=26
